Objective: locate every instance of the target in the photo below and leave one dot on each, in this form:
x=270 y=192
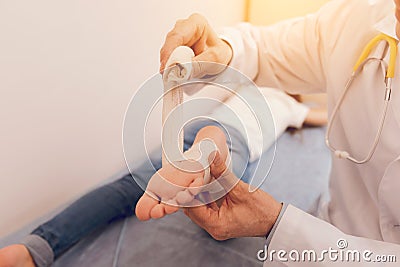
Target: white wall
x=264 y=12
x=67 y=72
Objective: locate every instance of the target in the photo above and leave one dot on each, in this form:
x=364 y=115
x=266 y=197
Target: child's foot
x=316 y=117
x=169 y=188
x=15 y=256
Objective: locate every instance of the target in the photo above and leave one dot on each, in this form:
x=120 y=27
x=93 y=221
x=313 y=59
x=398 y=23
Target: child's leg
x=95 y=209
x=316 y=117
x=98 y=208
x=92 y=211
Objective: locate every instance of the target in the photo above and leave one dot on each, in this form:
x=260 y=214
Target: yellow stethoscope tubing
x=371 y=45
x=363 y=59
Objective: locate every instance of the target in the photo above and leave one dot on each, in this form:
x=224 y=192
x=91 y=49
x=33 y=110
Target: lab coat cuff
x=299 y=230
x=272 y=231
x=233 y=38
x=40 y=250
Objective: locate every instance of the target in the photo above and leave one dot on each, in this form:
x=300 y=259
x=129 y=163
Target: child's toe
x=157 y=211
x=171 y=207
x=144 y=207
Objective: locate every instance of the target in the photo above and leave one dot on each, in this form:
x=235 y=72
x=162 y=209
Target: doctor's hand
x=196 y=33
x=241 y=213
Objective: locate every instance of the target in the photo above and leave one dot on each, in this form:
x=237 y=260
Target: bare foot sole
x=170 y=188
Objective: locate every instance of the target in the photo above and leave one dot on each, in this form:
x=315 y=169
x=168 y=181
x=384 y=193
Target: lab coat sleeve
x=284 y=56
x=299 y=231
x=289 y=55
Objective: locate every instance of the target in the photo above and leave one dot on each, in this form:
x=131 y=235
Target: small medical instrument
x=388 y=82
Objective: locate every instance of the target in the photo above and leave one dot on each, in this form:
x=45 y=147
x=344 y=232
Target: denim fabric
x=118 y=199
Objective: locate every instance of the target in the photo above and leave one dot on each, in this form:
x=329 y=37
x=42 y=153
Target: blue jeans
x=118 y=199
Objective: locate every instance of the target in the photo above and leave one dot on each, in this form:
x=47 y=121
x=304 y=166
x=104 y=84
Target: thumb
x=207 y=63
x=217 y=166
x=224 y=176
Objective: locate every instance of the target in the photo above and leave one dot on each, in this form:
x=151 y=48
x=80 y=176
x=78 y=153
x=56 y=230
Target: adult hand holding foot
x=176 y=183
x=241 y=213
x=196 y=33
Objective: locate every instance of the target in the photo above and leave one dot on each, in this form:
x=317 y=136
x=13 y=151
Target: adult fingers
x=213 y=60
x=218 y=166
x=206 y=63
x=231 y=184
x=185 y=32
x=219 y=170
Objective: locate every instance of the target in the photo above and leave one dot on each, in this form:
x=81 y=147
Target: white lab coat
x=316 y=54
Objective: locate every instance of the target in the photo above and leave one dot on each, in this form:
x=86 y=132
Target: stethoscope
x=388 y=82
